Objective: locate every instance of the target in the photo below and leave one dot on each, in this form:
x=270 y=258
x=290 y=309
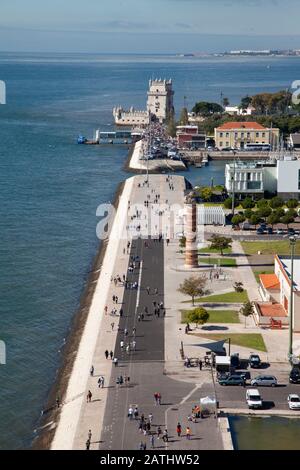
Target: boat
x=81 y=140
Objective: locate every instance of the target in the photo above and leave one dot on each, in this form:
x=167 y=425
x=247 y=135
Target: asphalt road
x=145 y=366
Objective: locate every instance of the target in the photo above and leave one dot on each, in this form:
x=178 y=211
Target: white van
x=253 y=398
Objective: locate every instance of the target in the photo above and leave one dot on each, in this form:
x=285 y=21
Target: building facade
x=250 y=178
x=237 y=135
x=189 y=137
x=132 y=117
x=160 y=99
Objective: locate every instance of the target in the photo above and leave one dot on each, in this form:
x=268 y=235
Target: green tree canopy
x=264 y=212
x=255 y=219
x=220 y=243
x=287 y=219
x=184 y=117
x=262 y=203
x=206 y=193
x=248 y=203
x=237 y=219
x=245 y=102
x=246 y=310
x=198 y=316
x=193 y=287
x=205 y=108
x=276 y=202
x=248 y=213
x=228 y=203
x=273 y=219
x=292 y=203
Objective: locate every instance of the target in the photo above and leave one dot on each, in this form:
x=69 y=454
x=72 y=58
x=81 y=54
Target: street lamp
x=293 y=241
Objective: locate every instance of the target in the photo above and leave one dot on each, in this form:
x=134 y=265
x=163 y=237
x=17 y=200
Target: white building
x=160 y=99
x=132 y=117
x=236 y=111
x=278 y=176
x=275 y=290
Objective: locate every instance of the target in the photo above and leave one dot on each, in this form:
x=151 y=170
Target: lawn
x=229 y=297
x=281 y=247
x=223 y=262
x=208 y=250
x=216 y=316
x=247 y=340
x=257 y=273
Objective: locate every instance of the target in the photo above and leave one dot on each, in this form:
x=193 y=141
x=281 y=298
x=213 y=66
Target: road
x=145 y=367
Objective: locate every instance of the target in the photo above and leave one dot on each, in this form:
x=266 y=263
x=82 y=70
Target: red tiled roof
x=271 y=310
x=269 y=281
x=241 y=125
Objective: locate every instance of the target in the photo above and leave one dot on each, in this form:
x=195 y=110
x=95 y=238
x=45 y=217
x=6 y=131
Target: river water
x=51 y=187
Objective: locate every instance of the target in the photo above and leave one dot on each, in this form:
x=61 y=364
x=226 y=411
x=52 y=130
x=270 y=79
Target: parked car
x=260 y=231
x=293 y=401
x=295 y=375
x=280 y=231
x=291 y=231
x=270 y=231
x=254 y=361
x=232 y=380
x=253 y=398
x=264 y=381
x=235 y=360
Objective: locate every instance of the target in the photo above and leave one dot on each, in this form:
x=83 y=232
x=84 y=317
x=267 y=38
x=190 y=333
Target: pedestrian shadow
x=214 y=327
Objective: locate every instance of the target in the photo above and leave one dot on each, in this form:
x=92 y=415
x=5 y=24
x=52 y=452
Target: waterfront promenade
x=106 y=414
x=136 y=162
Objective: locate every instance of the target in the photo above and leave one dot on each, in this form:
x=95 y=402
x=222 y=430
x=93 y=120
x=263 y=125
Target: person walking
x=121 y=312
x=122 y=345
x=92 y=371
x=152 y=441
x=115 y=361
x=178 y=429
x=125 y=332
x=87 y=444
x=158 y=432
x=106 y=354
x=136 y=412
x=148 y=290
x=156 y=398
x=188 y=433
x=111 y=355
x=130 y=413
x=150 y=417
x=200 y=364
x=90 y=435
x=89 y=397
x=112 y=326
x=159 y=399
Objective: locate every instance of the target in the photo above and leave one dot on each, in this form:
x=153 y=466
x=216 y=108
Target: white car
x=253 y=398
x=294 y=401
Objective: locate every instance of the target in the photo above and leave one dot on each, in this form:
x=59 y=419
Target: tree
x=292 y=203
x=220 y=243
x=193 y=287
x=246 y=310
x=291 y=213
x=225 y=102
x=238 y=287
x=206 y=193
x=198 y=315
x=287 y=220
x=280 y=212
x=245 y=102
x=248 y=213
x=255 y=219
x=237 y=219
x=264 y=212
x=273 y=219
x=171 y=127
x=182 y=242
x=205 y=109
x=248 y=203
x=184 y=117
x=276 y=202
x=262 y=203
x=228 y=203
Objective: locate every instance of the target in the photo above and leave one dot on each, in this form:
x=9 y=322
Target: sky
x=148 y=26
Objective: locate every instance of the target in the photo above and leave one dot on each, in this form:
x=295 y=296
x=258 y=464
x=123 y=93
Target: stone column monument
x=191 y=249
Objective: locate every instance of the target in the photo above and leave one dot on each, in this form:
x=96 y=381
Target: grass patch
x=257 y=273
x=281 y=247
x=208 y=250
x=223 y=262
x=229 y=297
x=216 y=316
x=247 y=340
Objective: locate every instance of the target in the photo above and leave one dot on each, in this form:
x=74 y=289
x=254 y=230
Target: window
x=227 y=134
x=227 y=144
x=253 y=185
x=263 y=134
x=257 y=134
x=242 y=135
x=221 y=134
x=236 y=135
x=221 y=144
x=248 y=135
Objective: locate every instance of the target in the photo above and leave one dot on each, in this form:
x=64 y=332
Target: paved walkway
x=136 y=162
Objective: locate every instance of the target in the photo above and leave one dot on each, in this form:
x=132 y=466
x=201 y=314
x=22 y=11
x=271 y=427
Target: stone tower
x=191 y=248
x=160 y=99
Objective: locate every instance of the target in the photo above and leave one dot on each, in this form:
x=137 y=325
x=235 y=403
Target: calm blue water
x=50 y=189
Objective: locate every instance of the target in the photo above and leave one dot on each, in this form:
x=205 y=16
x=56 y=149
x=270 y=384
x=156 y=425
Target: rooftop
x=269 y=281
x=286 y=265
x=269 y=309
x=241 y=125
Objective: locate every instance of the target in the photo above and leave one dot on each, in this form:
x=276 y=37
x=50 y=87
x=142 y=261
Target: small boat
x=81 y=140
x=198 y=165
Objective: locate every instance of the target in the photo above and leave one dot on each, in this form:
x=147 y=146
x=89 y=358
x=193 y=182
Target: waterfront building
x=189 y=137
x=132 y=117
x=160 y=99
x=237 y=111
x=275 y=293
x=280 y=176
x=238 y=134
x=250 y=178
